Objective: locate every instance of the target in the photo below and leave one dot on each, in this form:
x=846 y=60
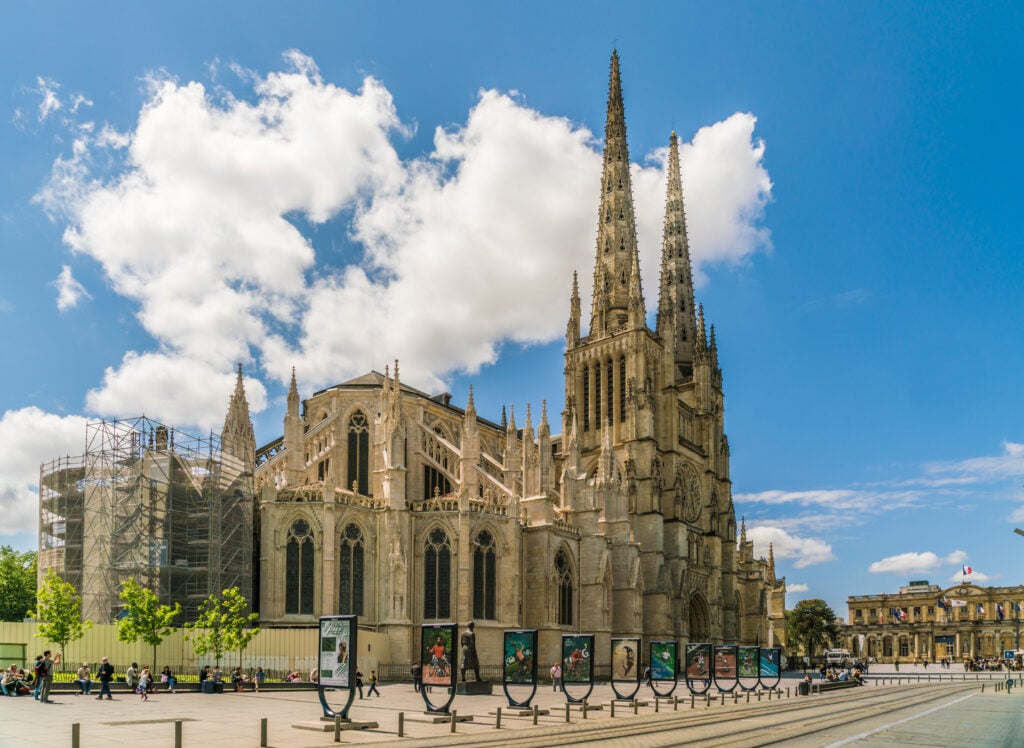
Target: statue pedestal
x=474 y=688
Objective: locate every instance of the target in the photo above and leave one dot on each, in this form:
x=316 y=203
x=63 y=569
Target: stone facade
x=400 y=506
x=928 y=631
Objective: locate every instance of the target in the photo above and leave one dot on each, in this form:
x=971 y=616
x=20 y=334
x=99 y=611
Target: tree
x=17 y=583
x=144 y=617
x=811 y=623
x=59 y=611
x=222 y=625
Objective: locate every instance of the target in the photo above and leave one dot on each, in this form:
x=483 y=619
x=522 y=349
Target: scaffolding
x=171 y=510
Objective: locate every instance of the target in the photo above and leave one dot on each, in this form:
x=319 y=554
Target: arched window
x=564 y=581
x=298 y=575
x=484 y=580
x=359 y=453
x=437 y=576
x=622 y=388
x=586 y=398
x=350 y=566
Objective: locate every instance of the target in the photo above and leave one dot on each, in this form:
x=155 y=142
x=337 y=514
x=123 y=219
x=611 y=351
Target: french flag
x=1000 y=611
x=968 y=570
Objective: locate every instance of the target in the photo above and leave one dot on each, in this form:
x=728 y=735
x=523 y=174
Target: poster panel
x=748 y=666
x=725 y=661
x=577 y=660
x=520 y=664
x=437 y=655
x=698 y=667
x=624 y=656
x=336 y=646
x=663 y=660
x=770 y=666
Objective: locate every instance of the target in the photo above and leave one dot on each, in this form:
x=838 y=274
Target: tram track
x=730 y=726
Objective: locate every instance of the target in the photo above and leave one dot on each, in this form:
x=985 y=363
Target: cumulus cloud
x=905 y=563
x=49 y=102
x=175 y=390
x=806 y=551
x=974 y=577
x=206 y=219
x=794 y=588
x=1007 y=465
x=29 y=437
x=69 y=290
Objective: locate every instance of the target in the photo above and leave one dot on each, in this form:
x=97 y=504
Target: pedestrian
x=131 y=677
x=556 y=677
x=46 y=676
x=417 y=677
x=359 y=683
x=897 y=663
x=144 y=680
x=258 y=677
x=84 y=680
x=35 y=676
x=647 y=677
x=373 y=684
x=106 y=674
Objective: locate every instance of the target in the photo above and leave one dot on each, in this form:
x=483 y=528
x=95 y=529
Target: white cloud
x=29 y=437
x=69 y=290
x=794 y=588
x=957 y=557
x=1009 y=464
x=175 y=390
x=905 y=563
x=975 y=577
x=49 y=102
x=456 y=252
x=806 y=551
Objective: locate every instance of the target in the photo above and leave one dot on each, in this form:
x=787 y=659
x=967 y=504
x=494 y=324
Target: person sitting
x=237 y=679
x=314 y=675
x=293 y=677
x=844 y=676
x=258 y=676
x=10 y=682
x=84 y=680
x=167 y=677
x=217 y=676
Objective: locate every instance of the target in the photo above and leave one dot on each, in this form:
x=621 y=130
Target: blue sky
x=191 y=186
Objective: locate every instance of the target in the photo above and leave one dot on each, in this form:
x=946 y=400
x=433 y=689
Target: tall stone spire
x=237 y=437
x=677 y=322
x=294 y=448
x=572 y=329
x=618 y=296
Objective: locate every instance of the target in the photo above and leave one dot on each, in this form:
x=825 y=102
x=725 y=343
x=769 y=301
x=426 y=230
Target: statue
x=469 y=657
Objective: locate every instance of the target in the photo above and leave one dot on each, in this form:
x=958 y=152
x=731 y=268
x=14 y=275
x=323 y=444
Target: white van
x=838 y=657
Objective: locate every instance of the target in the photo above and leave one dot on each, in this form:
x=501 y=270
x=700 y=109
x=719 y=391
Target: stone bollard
x=584 y=709
x=758 y=697
x=693 y=700
x=983 y=688
x=454 y=719
x=657 y=704
x=263 y=732
x=567 y=711
x=748 y=697
x=723 y=698
x=613 y=708
x=401 y=722
x=177 y=733
x=535 y=712
x=497 y=719
x=337 y=728
x=634 y=706
x=76 y=734
x=735 y=697
x=787 y=692
x=675 y=703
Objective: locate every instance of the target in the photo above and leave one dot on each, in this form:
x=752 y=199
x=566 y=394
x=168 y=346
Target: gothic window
x=484 y=581
x=359 y=453
x=298 y=593
x=564 y=583
x=586 y=398
x=622 y=388
x=611 y=392
x=437 y=580
x=350 y=565
x=597 y=395
x=435 y=482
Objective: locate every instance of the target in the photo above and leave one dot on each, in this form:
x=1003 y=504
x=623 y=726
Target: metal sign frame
x=625 y=660
x=724 y=667
x=663 y=659
x=439 y=660
x=698 y=667
x=577 y=664
x=519 y=664
x=769 y=663
x=336 y=660
x=748 y=667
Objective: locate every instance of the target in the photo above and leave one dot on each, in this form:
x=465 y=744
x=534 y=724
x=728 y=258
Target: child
x=373 y=684
x=144 y=680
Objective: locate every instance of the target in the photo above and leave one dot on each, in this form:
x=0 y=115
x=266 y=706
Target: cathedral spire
x=676 y=320
x=237 y=437
x=293 y=396
x=617 y=290
x=572 y=330
x=771 y=564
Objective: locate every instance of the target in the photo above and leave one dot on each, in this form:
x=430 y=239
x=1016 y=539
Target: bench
x=834 y=685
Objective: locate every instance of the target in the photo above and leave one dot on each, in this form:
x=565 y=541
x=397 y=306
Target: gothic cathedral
x=403 y=508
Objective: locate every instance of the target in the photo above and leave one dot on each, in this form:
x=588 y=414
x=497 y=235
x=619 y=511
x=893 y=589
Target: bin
x=209 y=686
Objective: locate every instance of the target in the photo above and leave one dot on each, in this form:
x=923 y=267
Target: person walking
x=144 y=680
x=106 y=674
x=417 y=677
x=38 y=681
x=359 y=683
x=648 y=677
x=131 y=677
x=556 y=676
x=373 y=684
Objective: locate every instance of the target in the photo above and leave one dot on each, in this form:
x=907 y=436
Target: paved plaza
x=234 y=719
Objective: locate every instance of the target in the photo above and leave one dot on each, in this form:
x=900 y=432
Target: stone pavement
x=234 y=719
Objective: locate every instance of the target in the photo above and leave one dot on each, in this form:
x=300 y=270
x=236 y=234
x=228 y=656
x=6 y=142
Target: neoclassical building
x=910 y=624
x=405 y=508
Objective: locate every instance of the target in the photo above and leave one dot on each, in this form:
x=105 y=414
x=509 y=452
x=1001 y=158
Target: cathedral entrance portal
x=700 y=628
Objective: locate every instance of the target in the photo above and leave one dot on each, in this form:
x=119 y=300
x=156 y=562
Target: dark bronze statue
x=469 y=657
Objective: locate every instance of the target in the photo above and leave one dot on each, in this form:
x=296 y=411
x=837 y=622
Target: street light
x=1018 y=531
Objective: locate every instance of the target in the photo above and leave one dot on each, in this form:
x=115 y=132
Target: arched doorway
x=700 y=620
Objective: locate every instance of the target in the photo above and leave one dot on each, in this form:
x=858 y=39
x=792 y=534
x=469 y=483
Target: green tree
x=223 y=625
x=59 y=611
x=811 y=623
x=17 y=583
x=144 y=617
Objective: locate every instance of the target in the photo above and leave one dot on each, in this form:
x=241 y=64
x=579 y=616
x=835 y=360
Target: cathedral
x=405 y=508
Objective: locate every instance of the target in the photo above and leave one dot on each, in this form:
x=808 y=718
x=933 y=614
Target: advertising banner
x=577 y=662
x=520 y=658
x=336 y=651
x=437 y=655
